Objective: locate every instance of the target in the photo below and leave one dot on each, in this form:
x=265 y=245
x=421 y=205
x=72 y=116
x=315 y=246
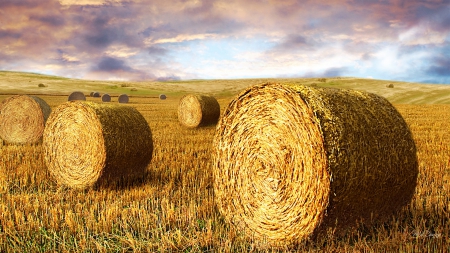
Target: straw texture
x=106 y=98
x=76 y=95
x=290 y=163
x=22 y=119
x=87 y=143
x=123 y=98
x=198 y=110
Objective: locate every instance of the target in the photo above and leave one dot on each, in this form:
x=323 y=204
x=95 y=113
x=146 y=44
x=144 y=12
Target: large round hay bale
x=291 y=163
x=123 y=98
x=22 y=119
x=87 y=143
x=106 y=98
x=162 y=96
x=76 y=95
x=198 y=110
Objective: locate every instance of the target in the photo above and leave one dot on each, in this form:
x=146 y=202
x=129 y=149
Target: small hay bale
x=290 y=163
x=22 y=119
x=87 y=143
x=123 y=98
x=91 y=94
x=96 y=94
x=162 y=96
x=42 y=85
x=390 y=85
x=106 y=98
x=76 y=95
x=133 y=89
x=198 y=110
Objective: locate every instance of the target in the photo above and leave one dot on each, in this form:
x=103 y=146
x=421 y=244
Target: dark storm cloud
x=440 y=66
x=158 y=51
x=111 y=64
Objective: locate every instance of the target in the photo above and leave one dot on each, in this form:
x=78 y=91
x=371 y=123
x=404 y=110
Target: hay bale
x=123 y=98
x=133 y=89
x=91 y=94
x=22 y=119
x=290 y=163
x=106 y=98
x=42 y=85
x=96 y=94
x=76 y=95
x=162 y=96
x=390 y=85
x=198 y=110
x=87 y=143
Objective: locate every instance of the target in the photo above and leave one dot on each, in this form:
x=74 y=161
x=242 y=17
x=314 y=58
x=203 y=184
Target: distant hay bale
x=42 y=85
x=291 y=163
x=96 y=94
x=133 y=89
x=91 y=94
x=76 y=95
x=162 y=96
x=22 y=119
x=87 y=143
x=390 y=85
x=123 y=98
x=106 y=98
x=198 y=110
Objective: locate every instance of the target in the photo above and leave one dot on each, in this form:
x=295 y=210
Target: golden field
x=172 y=208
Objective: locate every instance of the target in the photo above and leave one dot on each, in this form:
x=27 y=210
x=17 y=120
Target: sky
x=134 y=40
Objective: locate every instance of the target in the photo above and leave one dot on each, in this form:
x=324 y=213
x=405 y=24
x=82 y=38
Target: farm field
x=172 y=208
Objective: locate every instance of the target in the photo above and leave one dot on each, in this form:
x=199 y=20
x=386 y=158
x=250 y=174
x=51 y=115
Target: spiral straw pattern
x=291 y=162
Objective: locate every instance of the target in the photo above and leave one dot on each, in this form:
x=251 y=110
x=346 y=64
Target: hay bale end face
x=198 y=110
x=22 y=119
x=162 y=97
x=87 y=143
x=76 y=95
x=106 y=98
x=123 y=98
x=289 y=163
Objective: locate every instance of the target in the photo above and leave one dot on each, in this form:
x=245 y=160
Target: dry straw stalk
x=22 y=119
x=198 y=110
x=291 y=163
x=88 y=143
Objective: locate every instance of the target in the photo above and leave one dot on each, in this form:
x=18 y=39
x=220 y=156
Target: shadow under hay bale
x=123 y=98
x=162 y=97
x=76 y=95
x=106 y=98
x=87 y=144
x=22 y=119
x=198 y=110
x=290 y=163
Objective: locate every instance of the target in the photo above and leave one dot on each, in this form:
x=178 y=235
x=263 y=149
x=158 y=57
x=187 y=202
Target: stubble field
x=172 y=207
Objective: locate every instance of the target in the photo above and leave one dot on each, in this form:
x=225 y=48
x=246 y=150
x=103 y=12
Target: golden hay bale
x=96 y=94
x=162 y=96
x=22 y=119
x=106 y=98
x=290 y=163
x=41 y=85
x=123 y=98
x=390 y=85
x=198 y=110
x=76 y=95
x=87 y=143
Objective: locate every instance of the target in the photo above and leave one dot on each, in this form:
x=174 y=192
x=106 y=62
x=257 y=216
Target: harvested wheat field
x=173 y=207
x=87 y=143
x=22 y=119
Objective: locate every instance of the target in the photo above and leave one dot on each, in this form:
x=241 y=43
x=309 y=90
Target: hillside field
x=172 y=208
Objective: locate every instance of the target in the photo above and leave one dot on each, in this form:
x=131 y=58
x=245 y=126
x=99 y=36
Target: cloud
x=111 y=64
x=440 y=67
